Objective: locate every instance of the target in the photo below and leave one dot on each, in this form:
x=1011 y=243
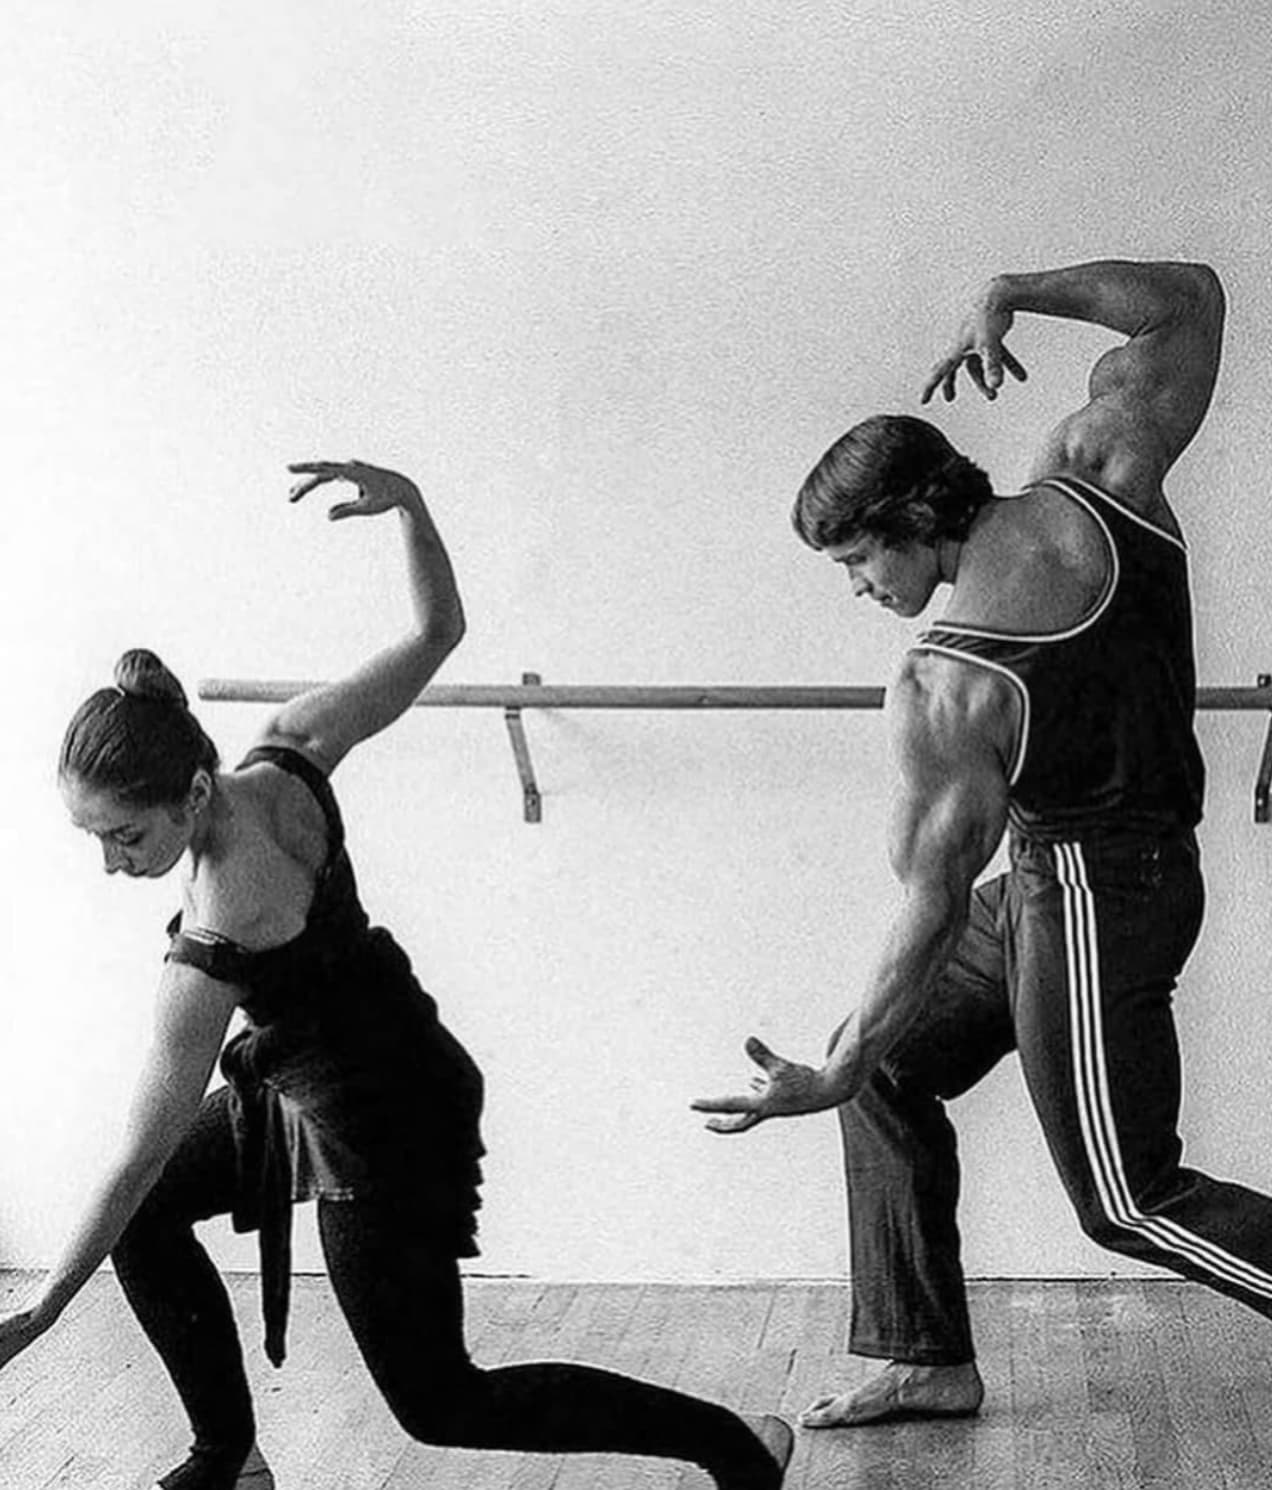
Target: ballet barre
x=533 y=693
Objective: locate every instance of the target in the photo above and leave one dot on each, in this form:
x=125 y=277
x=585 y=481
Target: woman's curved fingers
x=331 y=467
x=344 y=509
x=316 y=472
x=321 y=471
x=303 y=488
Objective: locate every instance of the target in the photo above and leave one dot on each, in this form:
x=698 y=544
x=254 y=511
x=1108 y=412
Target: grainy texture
x=1108 y=1385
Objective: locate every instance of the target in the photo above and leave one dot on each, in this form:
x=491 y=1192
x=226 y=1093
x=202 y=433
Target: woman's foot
x=255 y=1474
x=207 y=1469
x=776 y=1436
x=901 y=1390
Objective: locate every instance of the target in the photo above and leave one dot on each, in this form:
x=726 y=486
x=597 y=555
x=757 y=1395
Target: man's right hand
x=781 y=1088
x=979 y=346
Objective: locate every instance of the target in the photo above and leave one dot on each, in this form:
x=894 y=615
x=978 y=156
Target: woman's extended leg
x=181 y=1302
x=404 y=1304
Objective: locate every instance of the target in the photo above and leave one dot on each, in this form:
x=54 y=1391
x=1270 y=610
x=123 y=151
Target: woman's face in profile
x=141 y=842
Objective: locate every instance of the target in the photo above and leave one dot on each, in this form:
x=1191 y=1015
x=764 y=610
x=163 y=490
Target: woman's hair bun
x=141 y=674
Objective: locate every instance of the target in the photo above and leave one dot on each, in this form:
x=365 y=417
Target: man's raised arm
x=1146 y=398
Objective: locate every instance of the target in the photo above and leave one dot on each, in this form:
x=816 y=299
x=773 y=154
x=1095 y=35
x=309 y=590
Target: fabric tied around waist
x=264 y=1201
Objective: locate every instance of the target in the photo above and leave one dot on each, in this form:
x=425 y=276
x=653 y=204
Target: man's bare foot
x=901 y=1390
x=776 y=1436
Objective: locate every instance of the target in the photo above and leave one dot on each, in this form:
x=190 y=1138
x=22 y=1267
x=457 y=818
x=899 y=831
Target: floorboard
x=1111 y=1385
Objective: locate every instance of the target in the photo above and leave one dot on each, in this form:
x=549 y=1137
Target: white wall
x=607 y=278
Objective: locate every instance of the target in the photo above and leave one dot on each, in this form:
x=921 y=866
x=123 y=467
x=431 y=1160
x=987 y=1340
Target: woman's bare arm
x=327 y=722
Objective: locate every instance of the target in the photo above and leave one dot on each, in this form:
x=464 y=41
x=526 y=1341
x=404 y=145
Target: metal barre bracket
x=1263 y=782
x=532 y=801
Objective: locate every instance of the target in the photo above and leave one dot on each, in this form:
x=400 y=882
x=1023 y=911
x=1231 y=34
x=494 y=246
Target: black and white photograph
x=638 y=745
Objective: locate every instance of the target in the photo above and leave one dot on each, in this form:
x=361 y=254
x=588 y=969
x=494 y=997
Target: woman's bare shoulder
x=255 y=881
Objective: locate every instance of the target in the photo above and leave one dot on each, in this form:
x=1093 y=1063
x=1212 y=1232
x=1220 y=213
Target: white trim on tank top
x=1022 y=738
x=1105 y=600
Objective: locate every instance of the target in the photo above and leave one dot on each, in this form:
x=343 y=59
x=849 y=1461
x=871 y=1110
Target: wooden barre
x=532 y=693
x=642 y=696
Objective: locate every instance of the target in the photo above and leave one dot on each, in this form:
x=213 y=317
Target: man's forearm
x=1123 y=295
x=918 y=946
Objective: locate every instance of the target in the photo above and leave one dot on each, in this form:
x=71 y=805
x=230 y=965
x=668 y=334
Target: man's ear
x=200 y=793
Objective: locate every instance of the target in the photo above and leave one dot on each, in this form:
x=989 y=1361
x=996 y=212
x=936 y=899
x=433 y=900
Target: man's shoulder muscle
x=946 y=707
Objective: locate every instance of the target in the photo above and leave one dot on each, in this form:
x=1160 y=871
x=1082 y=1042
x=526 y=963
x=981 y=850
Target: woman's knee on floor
x=447 y=1413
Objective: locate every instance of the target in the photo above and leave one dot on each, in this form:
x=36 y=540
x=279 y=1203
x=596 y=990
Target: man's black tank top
x=1106 y=741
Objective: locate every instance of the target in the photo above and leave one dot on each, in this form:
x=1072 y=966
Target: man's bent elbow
x=1202 y=293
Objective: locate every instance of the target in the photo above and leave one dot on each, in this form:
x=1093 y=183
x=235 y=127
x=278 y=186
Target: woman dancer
x=343 y=1085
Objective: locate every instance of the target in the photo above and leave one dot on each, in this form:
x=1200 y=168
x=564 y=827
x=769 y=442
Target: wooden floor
x=1155 y=1384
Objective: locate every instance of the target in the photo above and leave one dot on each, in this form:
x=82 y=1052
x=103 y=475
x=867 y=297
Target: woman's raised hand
x=378 y=490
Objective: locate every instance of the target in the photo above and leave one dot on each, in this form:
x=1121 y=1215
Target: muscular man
x=1054 y=701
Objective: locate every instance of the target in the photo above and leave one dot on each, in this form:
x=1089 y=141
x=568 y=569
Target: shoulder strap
x=287 y=759
x=1097 y=498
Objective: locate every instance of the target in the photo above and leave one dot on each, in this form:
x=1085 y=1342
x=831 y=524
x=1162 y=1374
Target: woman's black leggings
x=404 y=1303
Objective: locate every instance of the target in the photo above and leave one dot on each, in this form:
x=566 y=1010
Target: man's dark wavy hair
x=894 y=478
